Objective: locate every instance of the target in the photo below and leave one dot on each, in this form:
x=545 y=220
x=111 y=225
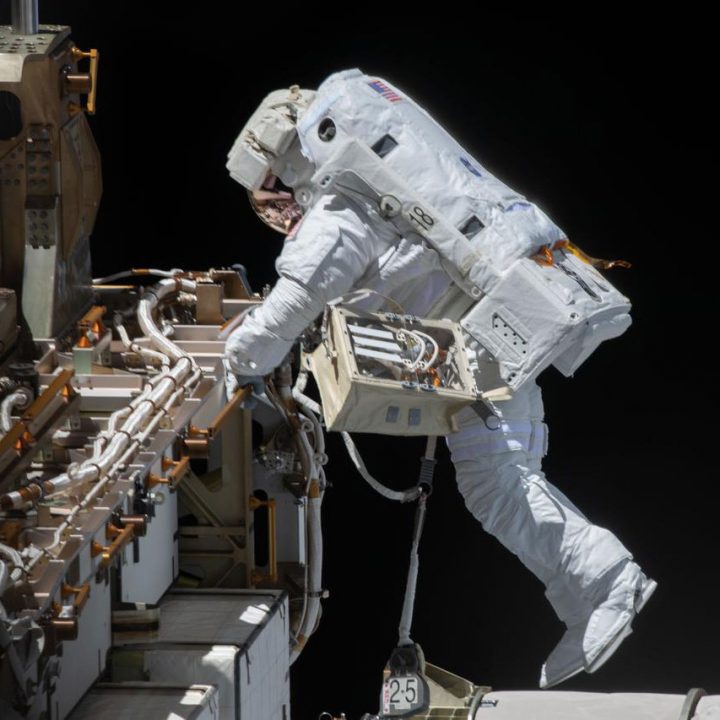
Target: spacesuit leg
x=500 y=477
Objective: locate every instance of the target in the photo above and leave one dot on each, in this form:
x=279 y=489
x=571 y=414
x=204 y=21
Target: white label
x=400 y=693
x=420 y=218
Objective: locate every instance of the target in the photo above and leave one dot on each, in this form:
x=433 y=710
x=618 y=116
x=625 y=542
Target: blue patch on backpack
x=517 y=205
x=469 y=166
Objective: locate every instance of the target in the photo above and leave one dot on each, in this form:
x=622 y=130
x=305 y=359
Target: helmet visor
x=275 y=205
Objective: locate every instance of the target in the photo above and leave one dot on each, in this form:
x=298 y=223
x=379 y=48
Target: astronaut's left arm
x=330 y=250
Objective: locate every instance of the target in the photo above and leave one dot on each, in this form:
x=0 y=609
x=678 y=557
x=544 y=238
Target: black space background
x=602 y=120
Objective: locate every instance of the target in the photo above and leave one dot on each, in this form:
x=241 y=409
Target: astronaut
x=341 y=237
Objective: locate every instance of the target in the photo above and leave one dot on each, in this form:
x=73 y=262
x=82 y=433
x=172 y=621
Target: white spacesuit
x=341 y=239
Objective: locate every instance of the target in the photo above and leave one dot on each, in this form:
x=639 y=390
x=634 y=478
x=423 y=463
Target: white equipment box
x=236 y=640
x=146 y=701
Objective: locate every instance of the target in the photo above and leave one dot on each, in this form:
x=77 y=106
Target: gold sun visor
x=275 y=205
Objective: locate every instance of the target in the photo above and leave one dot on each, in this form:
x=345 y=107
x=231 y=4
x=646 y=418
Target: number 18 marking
x=423 y=219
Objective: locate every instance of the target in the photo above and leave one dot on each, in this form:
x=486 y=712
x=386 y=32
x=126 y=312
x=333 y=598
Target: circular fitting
x=303 y=196
x=388 y=206
x=28 y=397
x=156 y=498
x=327 y=129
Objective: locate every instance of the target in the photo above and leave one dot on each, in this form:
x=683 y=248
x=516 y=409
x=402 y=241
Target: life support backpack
x=533 y=299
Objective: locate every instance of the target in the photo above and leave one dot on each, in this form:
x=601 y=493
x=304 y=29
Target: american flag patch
x=384 y=90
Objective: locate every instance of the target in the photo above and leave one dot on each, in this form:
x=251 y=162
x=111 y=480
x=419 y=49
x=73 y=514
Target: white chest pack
x=534 y=299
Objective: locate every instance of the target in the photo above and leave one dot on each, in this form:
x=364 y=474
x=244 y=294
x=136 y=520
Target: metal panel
x=234 y=639
x=83 y=660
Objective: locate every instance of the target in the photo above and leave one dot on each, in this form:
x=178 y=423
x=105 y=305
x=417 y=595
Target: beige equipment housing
x=393 y=374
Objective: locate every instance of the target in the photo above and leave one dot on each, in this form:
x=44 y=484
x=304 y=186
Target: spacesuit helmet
x=267 y=159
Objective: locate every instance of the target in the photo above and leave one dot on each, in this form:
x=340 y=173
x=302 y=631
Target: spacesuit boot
x=589 y=642
x=586 y=570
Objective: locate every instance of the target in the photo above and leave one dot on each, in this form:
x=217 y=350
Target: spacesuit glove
x=233 y=382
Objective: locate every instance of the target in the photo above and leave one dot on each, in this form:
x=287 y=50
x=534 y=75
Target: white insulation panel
x=236 y=640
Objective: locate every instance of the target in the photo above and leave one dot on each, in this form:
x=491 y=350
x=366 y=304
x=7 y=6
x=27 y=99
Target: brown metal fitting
x=153 y=480
x=196 y=447
x=78 y=83
x=178 y=469
x=64 y=628
x=94 y=57
x=81 y=595
x=219 y=420
x=112 y=531
x=198 y=439
x=255 y=504
x=29 y=493
x=56 y=387
x=139 y=522
x=91 y=321
x=120 y=538
x=98 y=328
x=167 y=463
x=18 y=440
x=198 y=432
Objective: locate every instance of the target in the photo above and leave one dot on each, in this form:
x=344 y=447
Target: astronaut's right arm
x=330 y=250
x=268 y=332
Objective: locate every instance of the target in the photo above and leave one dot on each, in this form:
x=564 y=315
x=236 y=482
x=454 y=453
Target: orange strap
x=544 y=256
x=565 y=244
